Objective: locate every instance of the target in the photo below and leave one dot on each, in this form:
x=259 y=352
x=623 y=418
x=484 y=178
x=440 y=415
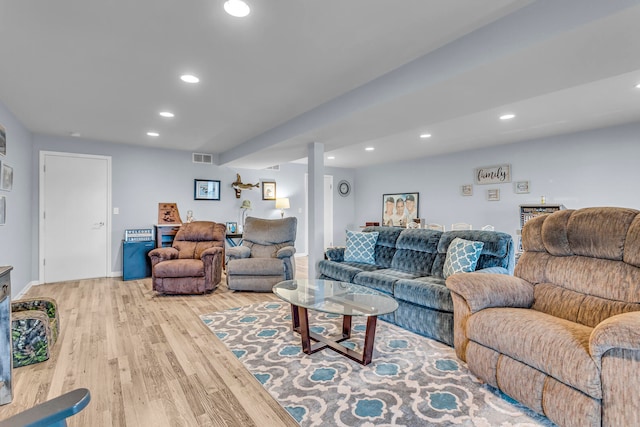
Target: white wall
x=144 y=177
x=16 y=234
x=594 y=168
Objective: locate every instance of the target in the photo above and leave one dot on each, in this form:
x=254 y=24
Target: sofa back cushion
x=584 y=263
x=385 y=245
x=416 y=250
x=497 y=251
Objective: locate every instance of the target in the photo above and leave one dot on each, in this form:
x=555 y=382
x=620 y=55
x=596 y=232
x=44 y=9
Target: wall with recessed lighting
x=16 y=234
x=593 y=168
x=143 y=177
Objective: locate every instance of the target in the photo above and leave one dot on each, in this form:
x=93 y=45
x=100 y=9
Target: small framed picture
x=206 y=189
x=268 y=190
x=3 y=210
x=3 y=141
x=522 y=187
x=232 y=227
x=493 y=195
x=466 y=190
x=6 y=180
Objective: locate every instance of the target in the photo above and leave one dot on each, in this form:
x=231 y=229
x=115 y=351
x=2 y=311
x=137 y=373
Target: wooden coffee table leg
x=346 y=326
x=295 y=318
x=303 y=320
x=369 y=339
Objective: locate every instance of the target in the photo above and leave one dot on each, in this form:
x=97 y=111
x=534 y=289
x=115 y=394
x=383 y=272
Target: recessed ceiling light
x=331 y=157
x=638 y=86
x=189 y=78
x=74 y=134
x=425 y=135
x=236 y=8
x=153 y=134
x=167 y=114
x=507 y=116
x=369 y=149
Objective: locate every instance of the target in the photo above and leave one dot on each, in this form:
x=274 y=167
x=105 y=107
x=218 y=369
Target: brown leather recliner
x=193 y=265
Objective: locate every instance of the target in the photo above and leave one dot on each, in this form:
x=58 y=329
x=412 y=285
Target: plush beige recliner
x=265 y=257
x=563 y=335
x=193 y=265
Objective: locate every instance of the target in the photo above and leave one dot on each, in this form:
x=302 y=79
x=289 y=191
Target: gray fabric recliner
x=266 y=256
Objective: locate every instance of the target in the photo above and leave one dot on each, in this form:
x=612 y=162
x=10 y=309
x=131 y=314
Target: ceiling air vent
x=203 y=158
x=273 y=168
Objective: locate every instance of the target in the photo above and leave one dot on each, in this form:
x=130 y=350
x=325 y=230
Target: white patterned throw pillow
x=360 y=247
x=462 y=256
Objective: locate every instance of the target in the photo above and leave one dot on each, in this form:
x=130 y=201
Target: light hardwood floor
x=148 y=360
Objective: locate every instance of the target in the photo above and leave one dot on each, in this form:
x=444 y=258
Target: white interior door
x=75 y=201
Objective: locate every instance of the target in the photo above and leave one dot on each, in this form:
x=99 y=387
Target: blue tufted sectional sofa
x=408 y=266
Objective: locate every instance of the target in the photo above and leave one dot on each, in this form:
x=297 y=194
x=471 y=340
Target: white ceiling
x=346 y=73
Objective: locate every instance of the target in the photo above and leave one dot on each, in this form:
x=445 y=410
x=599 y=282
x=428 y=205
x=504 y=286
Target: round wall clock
x=344 y=188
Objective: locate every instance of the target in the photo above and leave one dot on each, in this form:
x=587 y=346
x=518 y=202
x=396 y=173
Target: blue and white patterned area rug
x=412 y=380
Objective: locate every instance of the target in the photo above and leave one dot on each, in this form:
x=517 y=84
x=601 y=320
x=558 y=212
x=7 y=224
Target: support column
x=315 y=226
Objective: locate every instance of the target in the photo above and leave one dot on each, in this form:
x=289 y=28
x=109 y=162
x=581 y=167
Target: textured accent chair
x=562 y=336
x=35 y=325
x=193 y=265
x=266 y=256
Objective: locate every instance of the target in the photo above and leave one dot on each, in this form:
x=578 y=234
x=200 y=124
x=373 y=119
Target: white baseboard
x=26 y=289
x=300 y=254
x=116 y=274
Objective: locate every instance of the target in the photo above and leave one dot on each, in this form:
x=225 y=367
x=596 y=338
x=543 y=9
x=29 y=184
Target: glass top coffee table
x=341 y=298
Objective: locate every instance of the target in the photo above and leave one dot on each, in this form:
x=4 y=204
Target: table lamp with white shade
x=282 y=204
x=246 y=206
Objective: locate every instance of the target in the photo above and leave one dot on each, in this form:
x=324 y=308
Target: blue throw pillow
x=462 y=256
x=361 y=247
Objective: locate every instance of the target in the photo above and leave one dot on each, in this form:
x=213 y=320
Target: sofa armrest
x=335 y=254
x=620 y=331
x=481 y=290
x=53 y=412
x=285 y=252
x=238 y=252
x=493 y=270
x=162 y=254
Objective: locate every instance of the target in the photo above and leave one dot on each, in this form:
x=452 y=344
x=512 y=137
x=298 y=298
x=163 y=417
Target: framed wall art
x=3 y=141
x=521 y=187
x=206 y=189
x=498 y=174
x=6 y=177
x=268 y=190
x=399 y=209
x=466 y=190
x=3 y=210
x=493 y=195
